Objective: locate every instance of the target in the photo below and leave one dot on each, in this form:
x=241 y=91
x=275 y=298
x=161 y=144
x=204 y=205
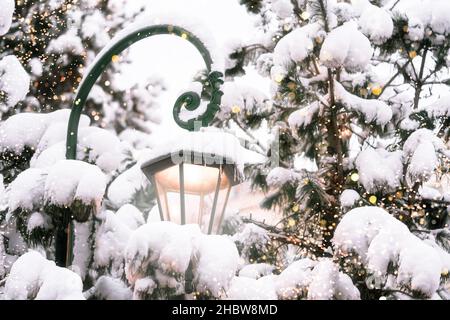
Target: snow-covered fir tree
x=358 y=89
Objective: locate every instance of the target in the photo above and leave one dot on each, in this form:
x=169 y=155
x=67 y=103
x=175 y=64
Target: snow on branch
x=393 y=256
x=305 y=278
x=294 y=48
x=424 y=14
x=440 y=108
x=372 y=110
x=34 y=277
x=163 y=251
x=6 y=15
x=61 y=185
x=375 y=22
x=380 y=169
x=346 y=47
x=26 y=129
x=238 y=97
x=420 y=153
x=14 y=82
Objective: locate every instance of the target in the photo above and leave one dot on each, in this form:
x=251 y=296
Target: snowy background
x=342 y=110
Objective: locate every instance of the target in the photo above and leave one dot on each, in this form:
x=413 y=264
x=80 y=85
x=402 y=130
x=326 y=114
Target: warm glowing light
x=279 y=78
x=373 y=199
x=376 y=90
x=304 y=15
x=295 y=208
x=291 y=222
x=292 y=85
x=197 y=179
x=412 y=54
x=354 y=177
x=235 y=109
x=115 y=58
x=184 y=36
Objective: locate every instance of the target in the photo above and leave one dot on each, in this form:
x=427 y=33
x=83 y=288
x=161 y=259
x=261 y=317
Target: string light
x=115 y=58
x=279 y=78
x=373 y=199
x=354 y=177
x=235 y=109
x=305 y=15
x=376 y=90
x=412 y=54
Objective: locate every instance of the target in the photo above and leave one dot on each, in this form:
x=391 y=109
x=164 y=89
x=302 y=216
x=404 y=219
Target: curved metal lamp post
x=188 y=100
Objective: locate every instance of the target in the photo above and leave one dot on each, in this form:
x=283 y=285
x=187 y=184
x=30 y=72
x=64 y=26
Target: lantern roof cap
x=218 y=144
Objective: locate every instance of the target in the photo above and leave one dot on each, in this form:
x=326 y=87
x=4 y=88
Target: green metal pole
x=188 y=100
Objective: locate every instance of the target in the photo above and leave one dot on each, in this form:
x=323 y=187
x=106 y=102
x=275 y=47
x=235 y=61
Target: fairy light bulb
x=354 y=177
x=376 y=90
x=235 y=109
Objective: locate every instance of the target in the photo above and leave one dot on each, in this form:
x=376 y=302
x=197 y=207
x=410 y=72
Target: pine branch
x=400 y=70
x=288 y=238
x=419 y=82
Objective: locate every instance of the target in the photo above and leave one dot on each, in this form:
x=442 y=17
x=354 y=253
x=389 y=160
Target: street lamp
x=192 y=186
x=186 y=181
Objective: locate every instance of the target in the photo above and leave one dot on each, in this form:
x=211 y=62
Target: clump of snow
x=303 y=116
x=112 y=237
x=419 y=152
x=294 y=47
x=279 y=176
x=215 y=268
x=168 y=249
x=35 y=66
x=241 y=98
x=244 y=288
x=256 y=270
x=328 y=283
x=27 y=190
x=251 y=236
x=375 y=22
x=123 y=188
x=68 y=42
x=305 y=278
x=164 y=245
x=6 y=15
x=440 y=108
x=224 y=147
x=380 y=169
x=70 y=180
x=349 y=198
x=108 y=288
x=27 y=129
x=423 y=15
x=346 y=47
x=143 y=287
x=293 y=281
x=14 y=82
x=43 y=281
x=382 y=241
x=429 y=193
x=103 y=145
x=282 y=8
x=38 y=220
x=373 y=110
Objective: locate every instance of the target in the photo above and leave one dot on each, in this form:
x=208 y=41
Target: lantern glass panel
x=204 y=190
